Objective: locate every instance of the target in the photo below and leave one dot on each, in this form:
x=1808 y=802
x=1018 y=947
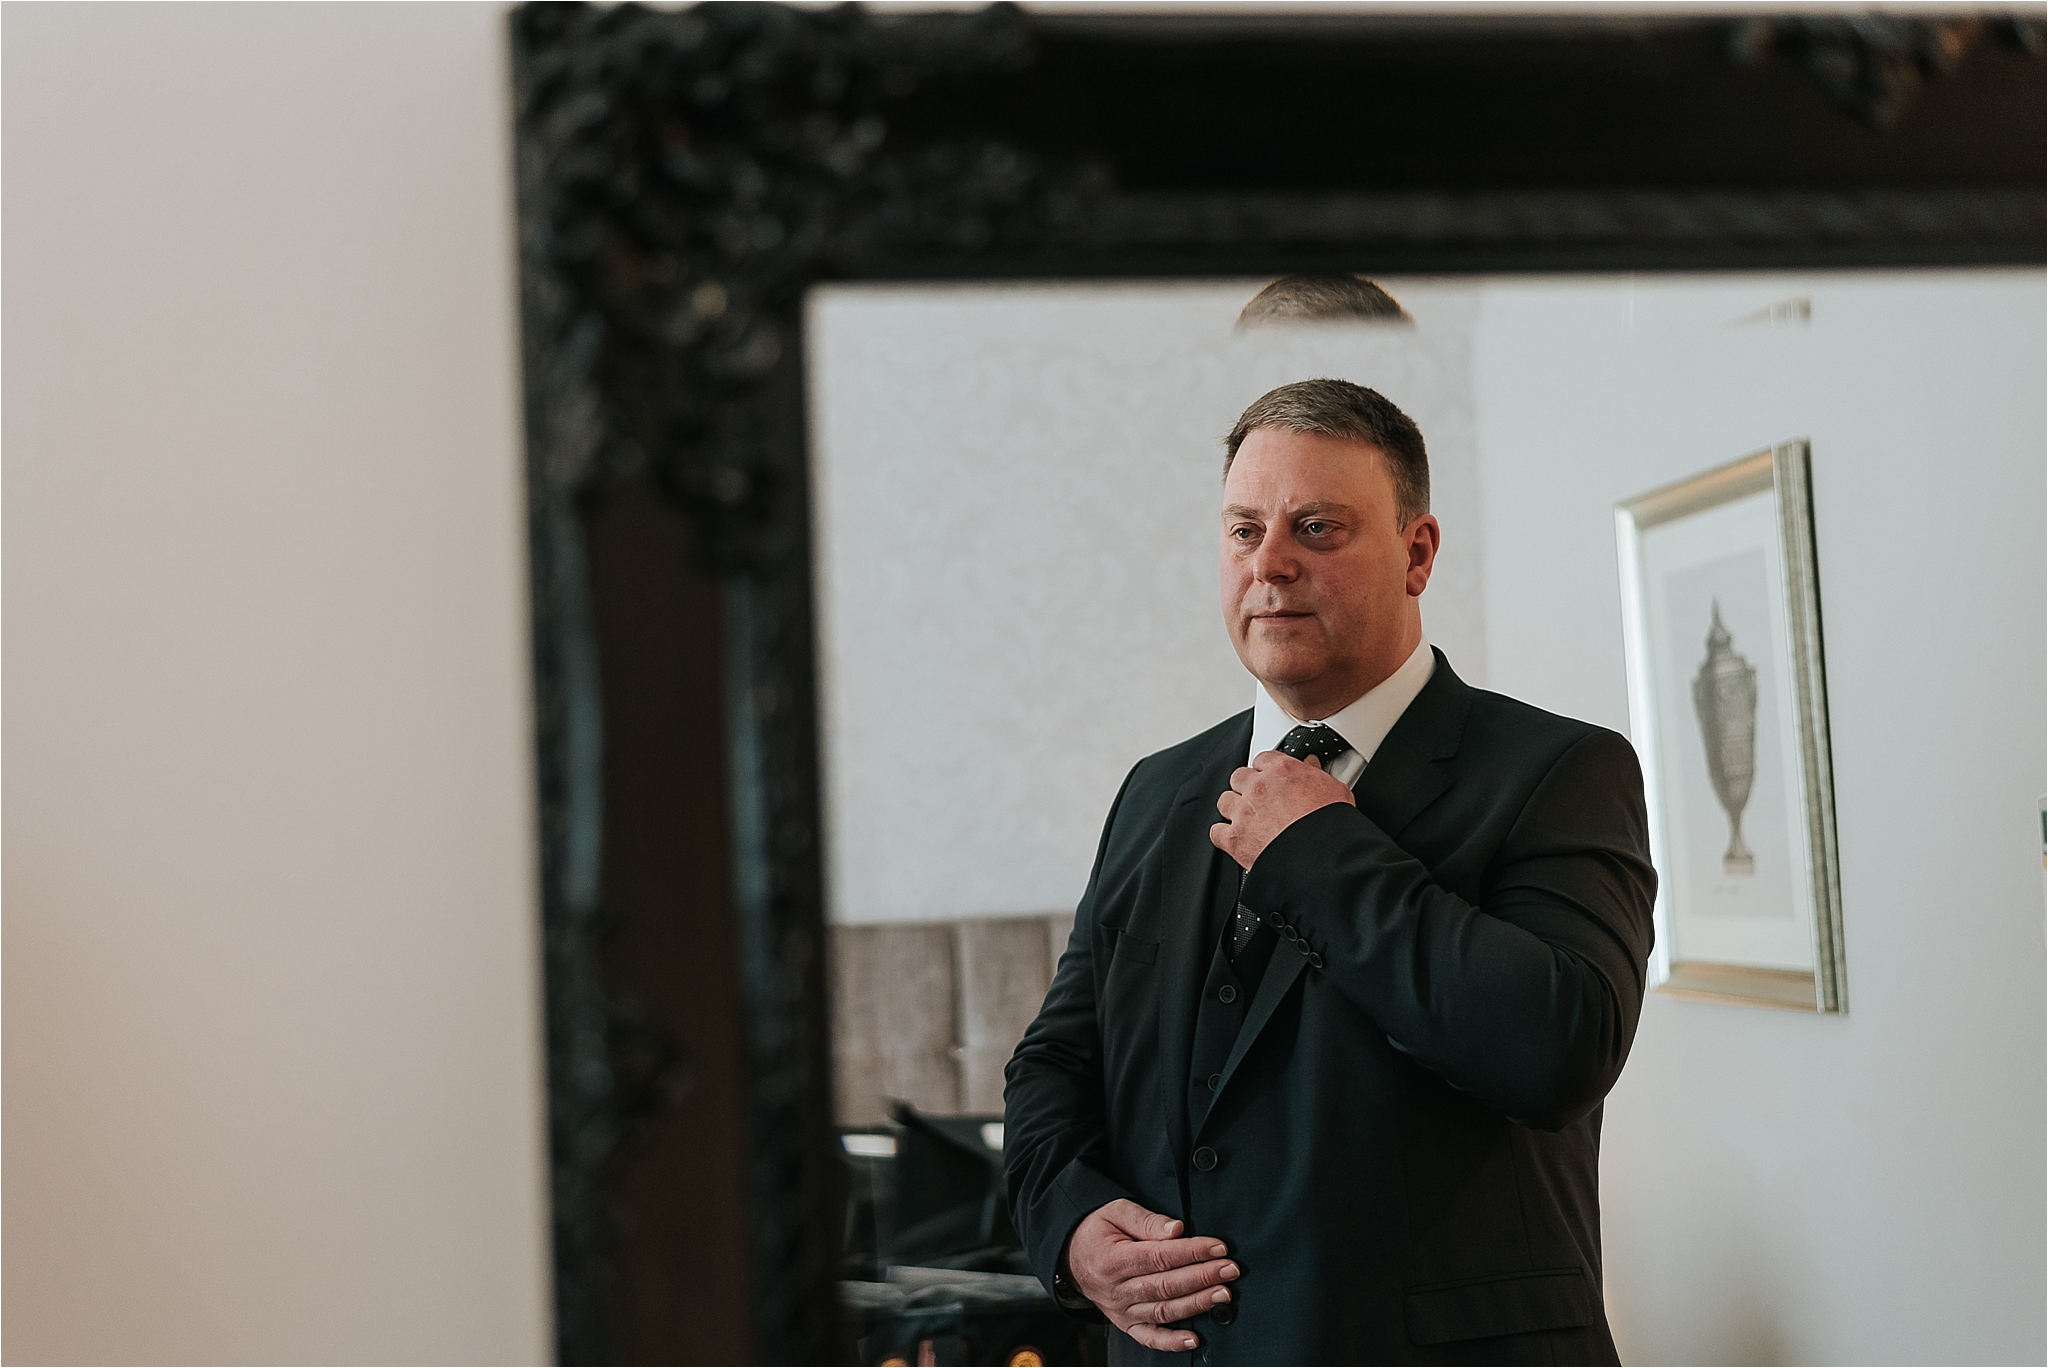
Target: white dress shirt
x=1364 y=723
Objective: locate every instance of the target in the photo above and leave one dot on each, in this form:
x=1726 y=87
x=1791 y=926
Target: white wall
x=271 y=1021
x=1779 y=1187
x=1018 y=493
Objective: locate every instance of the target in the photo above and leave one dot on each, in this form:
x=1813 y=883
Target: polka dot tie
x=1312 y=739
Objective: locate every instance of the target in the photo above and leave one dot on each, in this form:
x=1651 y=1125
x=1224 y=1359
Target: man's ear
x=1423 y=536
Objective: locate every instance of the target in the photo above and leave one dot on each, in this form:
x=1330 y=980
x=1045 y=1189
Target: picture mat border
x=1786 y=470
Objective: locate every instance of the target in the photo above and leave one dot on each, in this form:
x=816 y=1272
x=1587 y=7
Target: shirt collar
x=1364 y=722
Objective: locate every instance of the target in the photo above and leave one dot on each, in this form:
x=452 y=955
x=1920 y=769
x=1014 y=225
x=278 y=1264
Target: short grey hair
x=1338 y=408
x=1322 y=298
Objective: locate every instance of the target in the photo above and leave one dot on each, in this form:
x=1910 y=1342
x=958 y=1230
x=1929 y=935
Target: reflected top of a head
x=1330 y=298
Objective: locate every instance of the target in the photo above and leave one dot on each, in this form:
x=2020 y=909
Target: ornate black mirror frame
x=686 y=175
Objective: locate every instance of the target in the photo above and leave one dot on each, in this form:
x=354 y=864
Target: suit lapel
x=1399 y=783
x=1196 y=873
x=1406 y=775
x=1408 y=772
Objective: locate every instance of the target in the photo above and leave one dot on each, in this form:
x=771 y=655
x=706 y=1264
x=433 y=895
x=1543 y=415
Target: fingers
x=1153 y=1258
x=1163 y=1339
x=1224 y=837
x=1180 y=1308
x=1139 y=1223
x=1184 y=1292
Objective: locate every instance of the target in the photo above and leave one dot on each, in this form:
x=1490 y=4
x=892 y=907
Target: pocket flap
x=1512 y=1304
x=1135 y=949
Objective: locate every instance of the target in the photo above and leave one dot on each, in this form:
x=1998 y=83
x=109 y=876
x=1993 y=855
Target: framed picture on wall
x=1728 y=706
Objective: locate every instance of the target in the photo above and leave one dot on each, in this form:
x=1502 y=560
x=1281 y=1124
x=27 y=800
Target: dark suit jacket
x=1403 y=1154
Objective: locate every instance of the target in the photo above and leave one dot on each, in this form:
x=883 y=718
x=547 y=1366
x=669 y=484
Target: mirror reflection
x=1672 y=532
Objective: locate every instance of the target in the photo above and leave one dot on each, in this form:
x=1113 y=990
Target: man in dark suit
x=1319 y=1077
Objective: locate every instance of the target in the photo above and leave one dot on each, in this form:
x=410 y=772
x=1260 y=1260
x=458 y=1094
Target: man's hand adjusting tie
x=1278 y=789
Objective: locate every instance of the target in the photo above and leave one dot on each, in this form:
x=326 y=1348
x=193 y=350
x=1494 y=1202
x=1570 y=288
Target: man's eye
x=1315 y=529
x=1243 y=533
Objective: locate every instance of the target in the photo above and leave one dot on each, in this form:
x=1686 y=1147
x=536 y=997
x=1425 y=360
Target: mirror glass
x=1017 y=494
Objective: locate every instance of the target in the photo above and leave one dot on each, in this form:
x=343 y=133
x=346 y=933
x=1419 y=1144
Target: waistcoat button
x=1224 y=1314
x=1205 y=1158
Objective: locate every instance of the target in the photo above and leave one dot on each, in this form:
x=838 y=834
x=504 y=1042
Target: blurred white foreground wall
x=272 y=1030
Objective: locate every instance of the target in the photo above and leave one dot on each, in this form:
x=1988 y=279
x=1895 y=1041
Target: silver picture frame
x=1721 y=623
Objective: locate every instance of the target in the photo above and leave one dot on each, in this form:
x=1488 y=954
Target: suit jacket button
x=1215 y=1082
x=1227 y=993
x=1316 y=960
x=1224 y=1314
x=1205 y=1158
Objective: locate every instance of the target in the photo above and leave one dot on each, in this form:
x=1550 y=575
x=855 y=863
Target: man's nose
x=1274 y=562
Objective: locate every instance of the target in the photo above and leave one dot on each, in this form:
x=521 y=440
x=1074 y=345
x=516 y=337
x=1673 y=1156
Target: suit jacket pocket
x=1132 y=949
x=1509 y=1304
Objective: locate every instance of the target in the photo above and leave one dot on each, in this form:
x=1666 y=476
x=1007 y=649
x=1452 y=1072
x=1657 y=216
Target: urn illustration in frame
x=1736 y=760
x=1724 y=696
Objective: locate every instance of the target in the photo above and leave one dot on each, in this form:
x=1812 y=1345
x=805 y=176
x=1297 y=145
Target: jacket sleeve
x=1528 y=1002
x=1055 y=1127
